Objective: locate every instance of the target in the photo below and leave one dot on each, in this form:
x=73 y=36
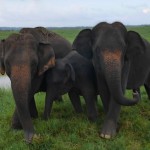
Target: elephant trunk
x=112 y=69
x=21 y=84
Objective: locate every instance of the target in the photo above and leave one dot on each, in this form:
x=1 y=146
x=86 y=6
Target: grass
x=66 y=130
x=144 y=31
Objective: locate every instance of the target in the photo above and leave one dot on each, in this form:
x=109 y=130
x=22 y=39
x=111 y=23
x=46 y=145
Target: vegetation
x=66 y=130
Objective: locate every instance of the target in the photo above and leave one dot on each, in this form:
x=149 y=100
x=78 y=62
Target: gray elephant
x=137 y=70
x=25 y=57
x=73 y=74
x=115 y=55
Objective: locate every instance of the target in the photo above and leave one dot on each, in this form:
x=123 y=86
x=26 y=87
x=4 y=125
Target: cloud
x=146 y=10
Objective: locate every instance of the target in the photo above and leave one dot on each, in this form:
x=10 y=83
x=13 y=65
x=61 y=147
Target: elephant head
x=24 y=58
x=112 y=46
x=65 y=69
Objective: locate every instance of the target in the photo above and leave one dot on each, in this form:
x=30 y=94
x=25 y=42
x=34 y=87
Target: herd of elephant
x=105 y=60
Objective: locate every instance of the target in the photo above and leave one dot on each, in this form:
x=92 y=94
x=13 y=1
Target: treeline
x=63 y=28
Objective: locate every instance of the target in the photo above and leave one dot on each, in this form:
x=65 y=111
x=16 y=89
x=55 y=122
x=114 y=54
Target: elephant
x=137 y=70
x=74 y=75
x=114 y=53
x=85 y=50
x=25 y=58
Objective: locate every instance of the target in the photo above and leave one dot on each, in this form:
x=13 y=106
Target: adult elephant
x=25 y=58
x=85 y=50
x=112 y=51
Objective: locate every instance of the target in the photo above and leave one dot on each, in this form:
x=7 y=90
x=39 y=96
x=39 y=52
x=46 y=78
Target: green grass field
x=66 y=130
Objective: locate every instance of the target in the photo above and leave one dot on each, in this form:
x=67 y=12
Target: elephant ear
x=70 y=74
x=83 y=43
x=135 y=44
x=46 y=57
x=2 y=67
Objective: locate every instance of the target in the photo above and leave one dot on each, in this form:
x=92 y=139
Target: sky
x=72 y=13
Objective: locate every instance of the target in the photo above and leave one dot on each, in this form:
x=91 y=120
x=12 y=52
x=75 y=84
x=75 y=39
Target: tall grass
x=66 y=130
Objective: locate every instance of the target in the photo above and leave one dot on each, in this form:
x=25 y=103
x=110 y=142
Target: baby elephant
x=74 y=75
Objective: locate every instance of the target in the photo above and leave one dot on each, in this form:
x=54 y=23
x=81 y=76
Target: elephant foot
x=109 y=129
x=32 y=138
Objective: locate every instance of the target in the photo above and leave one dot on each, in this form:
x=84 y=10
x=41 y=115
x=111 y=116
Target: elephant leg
x=109 y=127
x=16 y=124
x=90 y=100
x=48 y=106
x=32 y=108
x=75 y=100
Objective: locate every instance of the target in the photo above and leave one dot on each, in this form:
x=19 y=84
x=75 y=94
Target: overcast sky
x=61 y=13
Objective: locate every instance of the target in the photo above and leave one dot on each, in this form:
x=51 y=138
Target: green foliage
x=66 y=130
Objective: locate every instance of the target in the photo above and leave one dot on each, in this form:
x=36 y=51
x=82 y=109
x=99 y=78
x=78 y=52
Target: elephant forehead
x=114 y=55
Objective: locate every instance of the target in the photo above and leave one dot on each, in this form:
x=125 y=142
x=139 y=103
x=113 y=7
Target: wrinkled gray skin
x=73 y=74
x=112 y=51
x=25 y=57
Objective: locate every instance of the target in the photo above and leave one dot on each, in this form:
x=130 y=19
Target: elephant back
x=60 y=45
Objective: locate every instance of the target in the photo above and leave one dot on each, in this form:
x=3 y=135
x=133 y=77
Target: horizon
x=66 y=26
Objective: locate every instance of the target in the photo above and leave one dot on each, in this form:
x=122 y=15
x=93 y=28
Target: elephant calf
x=73 y=74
